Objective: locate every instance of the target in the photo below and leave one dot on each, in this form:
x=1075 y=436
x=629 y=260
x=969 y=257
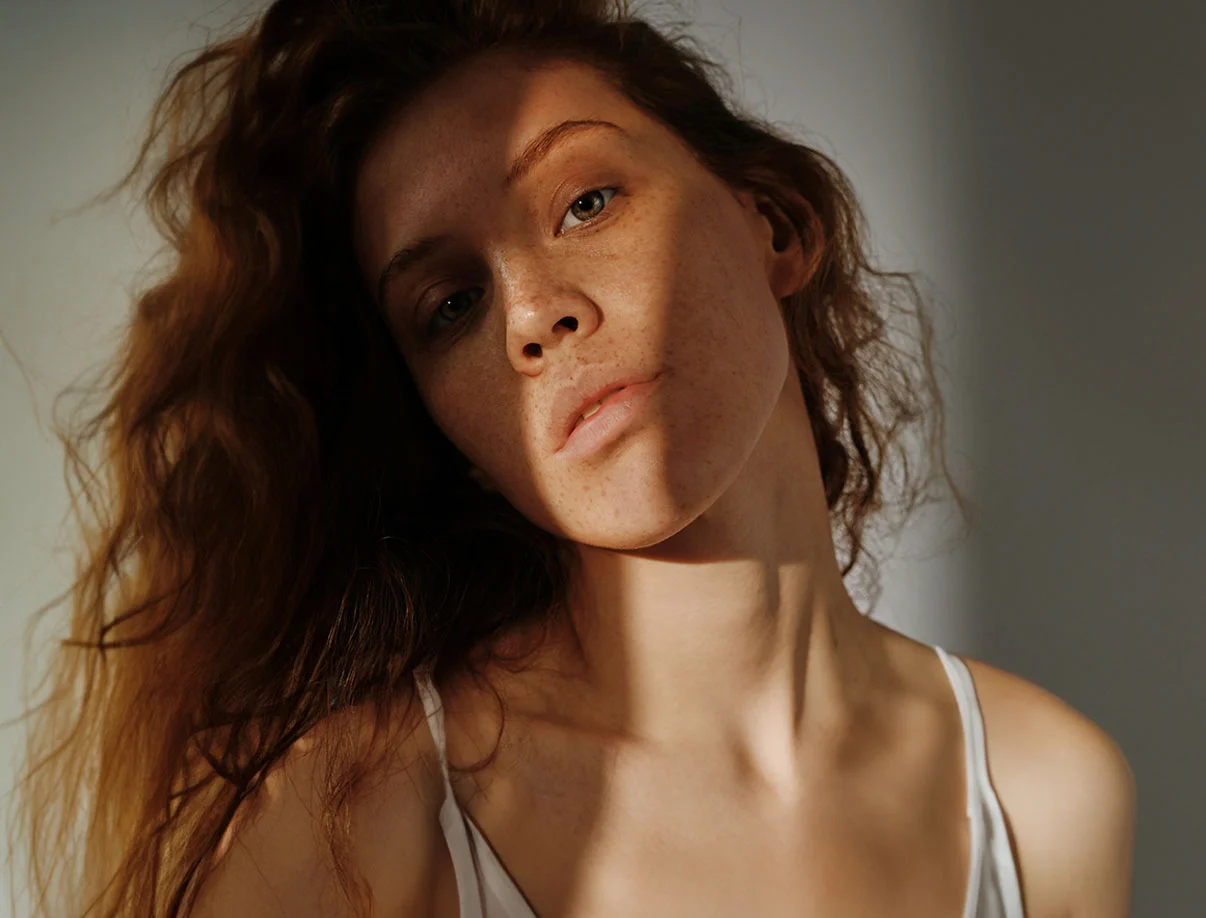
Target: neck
x=737 y=632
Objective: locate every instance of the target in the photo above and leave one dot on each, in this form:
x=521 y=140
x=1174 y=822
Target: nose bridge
x=527 y=275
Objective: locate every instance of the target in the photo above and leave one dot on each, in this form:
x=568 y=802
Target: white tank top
x=485 y=888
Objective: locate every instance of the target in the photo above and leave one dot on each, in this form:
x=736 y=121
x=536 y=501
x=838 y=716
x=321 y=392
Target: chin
x=629 y=538
x=642 y=495
x=636 y=519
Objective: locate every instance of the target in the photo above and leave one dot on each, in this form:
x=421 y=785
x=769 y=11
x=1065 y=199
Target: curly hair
x=274 y=528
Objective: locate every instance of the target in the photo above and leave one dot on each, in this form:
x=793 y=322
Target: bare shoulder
x=275 y=859
x=1069 y=797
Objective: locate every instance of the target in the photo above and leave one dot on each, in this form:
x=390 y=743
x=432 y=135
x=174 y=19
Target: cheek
x=464 y=417
x=481 y=420
x=716 y=278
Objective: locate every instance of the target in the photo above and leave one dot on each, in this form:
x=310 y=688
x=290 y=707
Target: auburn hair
x=272 y=527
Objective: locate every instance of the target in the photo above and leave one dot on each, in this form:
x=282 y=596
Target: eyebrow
x=409 y=256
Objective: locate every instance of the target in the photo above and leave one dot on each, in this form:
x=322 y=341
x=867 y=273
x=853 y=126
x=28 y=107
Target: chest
x=590 y=839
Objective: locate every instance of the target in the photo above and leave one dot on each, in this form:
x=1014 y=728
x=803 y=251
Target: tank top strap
x=973 y=755
x=433 y=708
x=470 y=890
x=973 y=724
x=993 y=864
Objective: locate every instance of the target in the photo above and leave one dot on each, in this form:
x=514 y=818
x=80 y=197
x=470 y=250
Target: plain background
x=1041 y=164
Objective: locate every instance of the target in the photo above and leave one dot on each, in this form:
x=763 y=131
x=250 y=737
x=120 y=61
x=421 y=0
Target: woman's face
x=614 y=255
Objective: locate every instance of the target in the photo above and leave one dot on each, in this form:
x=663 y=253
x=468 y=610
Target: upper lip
x=593 y=385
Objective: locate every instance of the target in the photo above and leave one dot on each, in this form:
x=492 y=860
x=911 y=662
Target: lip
x=620 y=404
x=596 y=383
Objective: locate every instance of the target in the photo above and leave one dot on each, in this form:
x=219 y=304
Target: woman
x=472 y=476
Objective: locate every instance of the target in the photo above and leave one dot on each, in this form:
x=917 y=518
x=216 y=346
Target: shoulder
x=275 y=859
x=1069 y=797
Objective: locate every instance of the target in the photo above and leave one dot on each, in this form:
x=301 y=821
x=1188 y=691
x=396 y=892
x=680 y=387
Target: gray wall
x=1083 y=139
x=1041 y=164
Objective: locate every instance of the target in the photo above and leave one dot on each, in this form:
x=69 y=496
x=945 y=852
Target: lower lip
x=602 y=427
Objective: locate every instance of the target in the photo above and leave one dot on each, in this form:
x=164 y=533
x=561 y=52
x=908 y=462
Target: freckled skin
x=728 y=646
x=671 y=278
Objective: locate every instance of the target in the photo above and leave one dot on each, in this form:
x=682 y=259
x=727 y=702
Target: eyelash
x=433 y=332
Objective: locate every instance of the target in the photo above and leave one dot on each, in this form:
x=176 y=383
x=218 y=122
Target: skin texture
x=721 y=731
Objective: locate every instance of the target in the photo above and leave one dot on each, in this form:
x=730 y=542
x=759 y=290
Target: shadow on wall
x=1084 y=139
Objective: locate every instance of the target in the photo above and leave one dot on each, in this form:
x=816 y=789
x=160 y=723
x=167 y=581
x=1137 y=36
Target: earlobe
x=482 y=480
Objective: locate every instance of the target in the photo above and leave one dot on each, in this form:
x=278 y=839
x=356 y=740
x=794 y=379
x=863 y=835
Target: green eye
x=592 y=196
x=446 y=314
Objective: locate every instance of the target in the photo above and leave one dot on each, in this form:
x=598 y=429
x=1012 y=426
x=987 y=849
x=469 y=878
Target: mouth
x=596 y=407
x=606 y=416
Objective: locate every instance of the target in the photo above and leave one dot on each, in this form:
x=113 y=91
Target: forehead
x=461 y=134
x=490 y=104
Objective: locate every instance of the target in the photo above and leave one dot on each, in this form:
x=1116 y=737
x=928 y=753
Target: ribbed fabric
x=486 y=890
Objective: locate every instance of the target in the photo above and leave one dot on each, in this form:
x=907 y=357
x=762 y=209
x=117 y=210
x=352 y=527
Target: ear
x=789 y=265
x=482 y=479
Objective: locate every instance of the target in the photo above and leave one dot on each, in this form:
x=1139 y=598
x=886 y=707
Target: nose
x=543 y=312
